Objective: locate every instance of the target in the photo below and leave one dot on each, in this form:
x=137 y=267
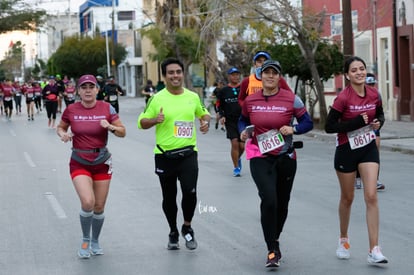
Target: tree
x=173 y=36
x=305 y=30
x=328 y=60
x=12 y=63
x=77 y=56
x=18 y=15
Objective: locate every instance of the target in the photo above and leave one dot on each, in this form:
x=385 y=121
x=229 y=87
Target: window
x=126 y=15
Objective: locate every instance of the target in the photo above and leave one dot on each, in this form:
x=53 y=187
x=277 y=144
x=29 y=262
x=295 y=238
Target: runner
x=112 y=92
x=50 y=95
x=91 y=163
x=7 y=90
x=270 y=149
x=355 y=114
x=70 y=93
x=30 y=98
x=172 y=111
x=229 y=112
x=38 y=96
x=18 y=97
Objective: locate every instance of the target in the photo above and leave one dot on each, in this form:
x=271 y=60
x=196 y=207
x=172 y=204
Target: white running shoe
x=95 y=248
x=376 y=257
x=342 y=252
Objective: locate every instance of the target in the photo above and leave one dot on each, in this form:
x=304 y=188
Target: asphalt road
x=40 y=232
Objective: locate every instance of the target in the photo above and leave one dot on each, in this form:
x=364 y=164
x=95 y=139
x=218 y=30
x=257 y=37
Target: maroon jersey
x=351 y=105
x=70 y=93
x=28 y=92
x=85 y=125
x=273 y=112
x=37 y=90
x=7 y=92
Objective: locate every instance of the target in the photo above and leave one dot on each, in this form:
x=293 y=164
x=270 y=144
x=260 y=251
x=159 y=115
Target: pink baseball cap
x=87 y=78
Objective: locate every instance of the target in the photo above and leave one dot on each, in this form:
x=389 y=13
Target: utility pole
x=347 y=36
x=113 y=64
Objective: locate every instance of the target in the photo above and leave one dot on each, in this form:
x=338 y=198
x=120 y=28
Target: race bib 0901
x=183 y=129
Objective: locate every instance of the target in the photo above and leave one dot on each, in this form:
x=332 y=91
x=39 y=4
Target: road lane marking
x=60 y=213
x=29 y=160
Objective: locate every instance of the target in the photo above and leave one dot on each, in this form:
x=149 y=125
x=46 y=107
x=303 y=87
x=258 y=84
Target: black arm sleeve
x=335 y=125
x=379 y=114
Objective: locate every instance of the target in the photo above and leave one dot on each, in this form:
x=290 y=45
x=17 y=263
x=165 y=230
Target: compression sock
x=97 y=223
x=86 y=221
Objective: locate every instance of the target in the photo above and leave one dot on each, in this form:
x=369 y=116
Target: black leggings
x=51 y=109
x=186 y=171
x=274 y=180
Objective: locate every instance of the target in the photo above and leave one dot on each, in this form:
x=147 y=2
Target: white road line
x=29 y=160
x=13 y=133
x=60 y=213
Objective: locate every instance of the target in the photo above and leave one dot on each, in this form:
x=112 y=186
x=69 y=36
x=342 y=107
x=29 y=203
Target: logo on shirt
x=88 y=118
x=359 y=108
x=273 y=109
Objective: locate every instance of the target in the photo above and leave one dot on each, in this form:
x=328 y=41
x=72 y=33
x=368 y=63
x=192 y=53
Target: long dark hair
x=350 y=60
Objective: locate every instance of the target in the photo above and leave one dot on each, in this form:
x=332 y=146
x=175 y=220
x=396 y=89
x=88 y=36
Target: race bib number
x=30 y=95
x=7 y=98
x=183 y=129
x=113 y=97
x=70 y=96
x=361 y=137
x=270 y=141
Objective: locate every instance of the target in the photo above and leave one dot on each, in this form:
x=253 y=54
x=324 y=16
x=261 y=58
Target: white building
x=95 y=16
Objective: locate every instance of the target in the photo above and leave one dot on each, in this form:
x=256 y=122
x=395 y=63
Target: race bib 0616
x=270 y=141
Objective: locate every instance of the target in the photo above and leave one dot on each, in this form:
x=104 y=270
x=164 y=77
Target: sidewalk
x=395 y=136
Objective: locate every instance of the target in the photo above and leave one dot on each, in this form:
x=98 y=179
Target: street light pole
x=108 y=67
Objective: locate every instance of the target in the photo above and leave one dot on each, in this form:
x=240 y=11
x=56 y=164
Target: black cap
x=271 y=64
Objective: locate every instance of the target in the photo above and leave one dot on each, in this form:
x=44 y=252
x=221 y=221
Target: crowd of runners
x=49 y=95
x=260 y=114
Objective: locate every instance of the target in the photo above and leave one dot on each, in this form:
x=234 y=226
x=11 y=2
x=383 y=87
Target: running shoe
x=236 y=172
x=342 y=252
x=380 y=186
x=358 y=183
x=273 y=259
x=173 y=241
x=95 y=248
x=188 y=234
x=83 y=251
x=376 y=257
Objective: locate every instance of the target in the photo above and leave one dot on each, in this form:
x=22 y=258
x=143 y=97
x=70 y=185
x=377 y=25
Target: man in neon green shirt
x=173 y=111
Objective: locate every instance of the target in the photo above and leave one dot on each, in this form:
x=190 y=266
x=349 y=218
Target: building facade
x=404 y=21
x=117 y=21
x=374 y=40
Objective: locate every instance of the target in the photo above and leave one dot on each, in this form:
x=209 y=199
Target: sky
x=57 y=5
